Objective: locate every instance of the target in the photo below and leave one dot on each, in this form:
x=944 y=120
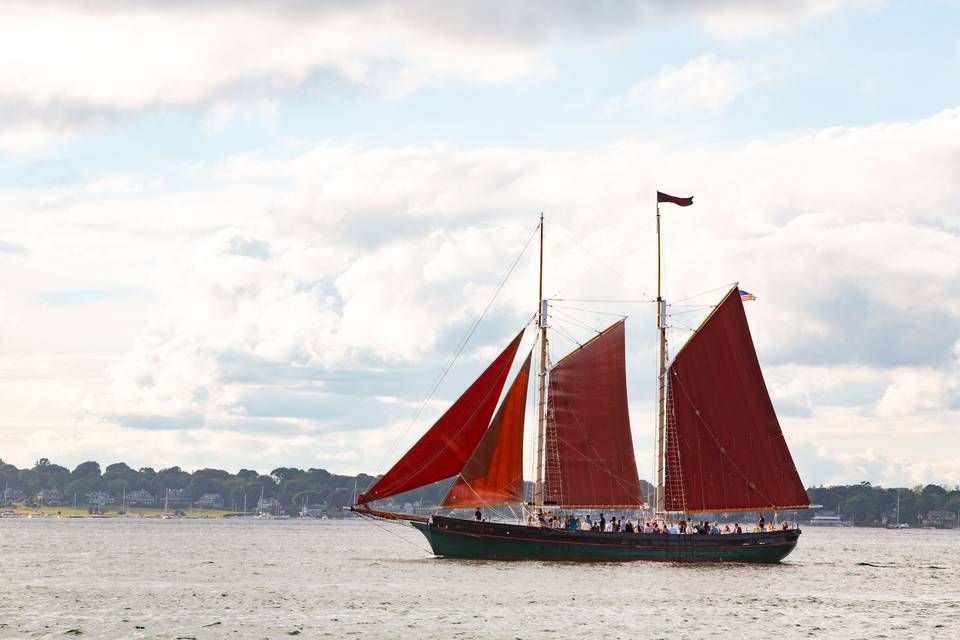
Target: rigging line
x=566 y=317
x=462 y=344
x=479 y=501
x=703 y=293
x=716 y=440
x=531 y=412
x=695 y=306
x=566 y=335
x=610 y=300
x=599 y=313
x=681 y=313
x=596 y=458
x=681 y=323
x=600 y=259
x=394 y=533
x=453 y=438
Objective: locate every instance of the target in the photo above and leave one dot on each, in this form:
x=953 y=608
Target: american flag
x=746 y=295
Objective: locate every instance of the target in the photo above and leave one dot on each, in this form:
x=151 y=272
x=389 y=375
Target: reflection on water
x=276 y=579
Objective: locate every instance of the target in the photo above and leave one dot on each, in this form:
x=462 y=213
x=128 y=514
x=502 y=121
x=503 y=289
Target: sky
x=244 y=235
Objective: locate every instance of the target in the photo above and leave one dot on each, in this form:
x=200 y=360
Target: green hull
x=455 y=538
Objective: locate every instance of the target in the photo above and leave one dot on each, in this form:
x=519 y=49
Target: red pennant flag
x=683 y=202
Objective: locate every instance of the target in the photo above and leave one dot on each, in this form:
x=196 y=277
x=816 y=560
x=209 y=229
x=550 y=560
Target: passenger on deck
x=586 y=525
x=478 y=515
x=674 y=529
x=588 y=522
x=617 y=525
x=786 y=525
x=736 y=528
x=714 y=530
x=628 y=528
x=760 y=522
x=603 y=523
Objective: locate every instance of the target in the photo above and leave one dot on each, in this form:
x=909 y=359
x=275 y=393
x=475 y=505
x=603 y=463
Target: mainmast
x=661 y=377
x=541 y=381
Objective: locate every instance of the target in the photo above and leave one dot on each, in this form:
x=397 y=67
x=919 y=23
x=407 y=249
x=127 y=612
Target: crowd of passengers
x=618 y=525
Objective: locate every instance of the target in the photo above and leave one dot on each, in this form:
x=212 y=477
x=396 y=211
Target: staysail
x=590 y=461
x=445 y=448
x=494 y=473
x=724 y=447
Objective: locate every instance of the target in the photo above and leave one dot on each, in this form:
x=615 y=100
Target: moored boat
x=719 y=447
x=829 y=520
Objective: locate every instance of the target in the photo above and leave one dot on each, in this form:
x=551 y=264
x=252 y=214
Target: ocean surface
x=117 y=578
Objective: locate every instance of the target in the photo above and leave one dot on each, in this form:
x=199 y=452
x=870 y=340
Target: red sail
x=444 y=449
x=494 y=473
x=590 y=461
x=724 y=447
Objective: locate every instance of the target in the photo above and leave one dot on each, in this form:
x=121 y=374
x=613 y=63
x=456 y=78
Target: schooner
x=719 y=448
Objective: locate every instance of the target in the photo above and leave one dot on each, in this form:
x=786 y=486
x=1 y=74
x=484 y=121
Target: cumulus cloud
x=824 y=466
x=706 y=82
x=82 y=65
x=281 y=283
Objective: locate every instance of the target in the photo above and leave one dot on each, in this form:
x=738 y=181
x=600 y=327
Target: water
x=277 y=579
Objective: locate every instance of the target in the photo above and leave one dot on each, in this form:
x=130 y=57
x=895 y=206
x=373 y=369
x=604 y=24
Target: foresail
x=445 y=448
x=589 y=459
x=494 y=473
x=724 y=447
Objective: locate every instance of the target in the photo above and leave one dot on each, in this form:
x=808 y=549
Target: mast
x=661 y=376
x=541 y=381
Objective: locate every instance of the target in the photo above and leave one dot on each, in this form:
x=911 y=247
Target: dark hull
x=455 y=538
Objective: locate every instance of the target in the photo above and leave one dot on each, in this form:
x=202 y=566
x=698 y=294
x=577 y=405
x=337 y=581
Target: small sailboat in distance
x=719 y=449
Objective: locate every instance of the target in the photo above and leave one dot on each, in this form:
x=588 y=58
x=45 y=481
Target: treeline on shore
x=291 y=489
x=87 y=484
x=867 y=505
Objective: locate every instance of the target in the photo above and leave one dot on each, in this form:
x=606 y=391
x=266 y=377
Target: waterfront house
x=940 y=519
x=268 y=505
x=178 y=497
x=314 y=511
x=13 y=495
x=50 y=498
x=210 y=501
x=100 y=498
x=140 y=497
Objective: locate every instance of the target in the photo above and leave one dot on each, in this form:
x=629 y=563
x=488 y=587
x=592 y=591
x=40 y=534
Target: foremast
x=541 y=382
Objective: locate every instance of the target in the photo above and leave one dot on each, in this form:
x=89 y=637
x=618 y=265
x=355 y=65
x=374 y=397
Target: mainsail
x=445 y=448
x=494 y=473
x=590 y=461
x=724 y=447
